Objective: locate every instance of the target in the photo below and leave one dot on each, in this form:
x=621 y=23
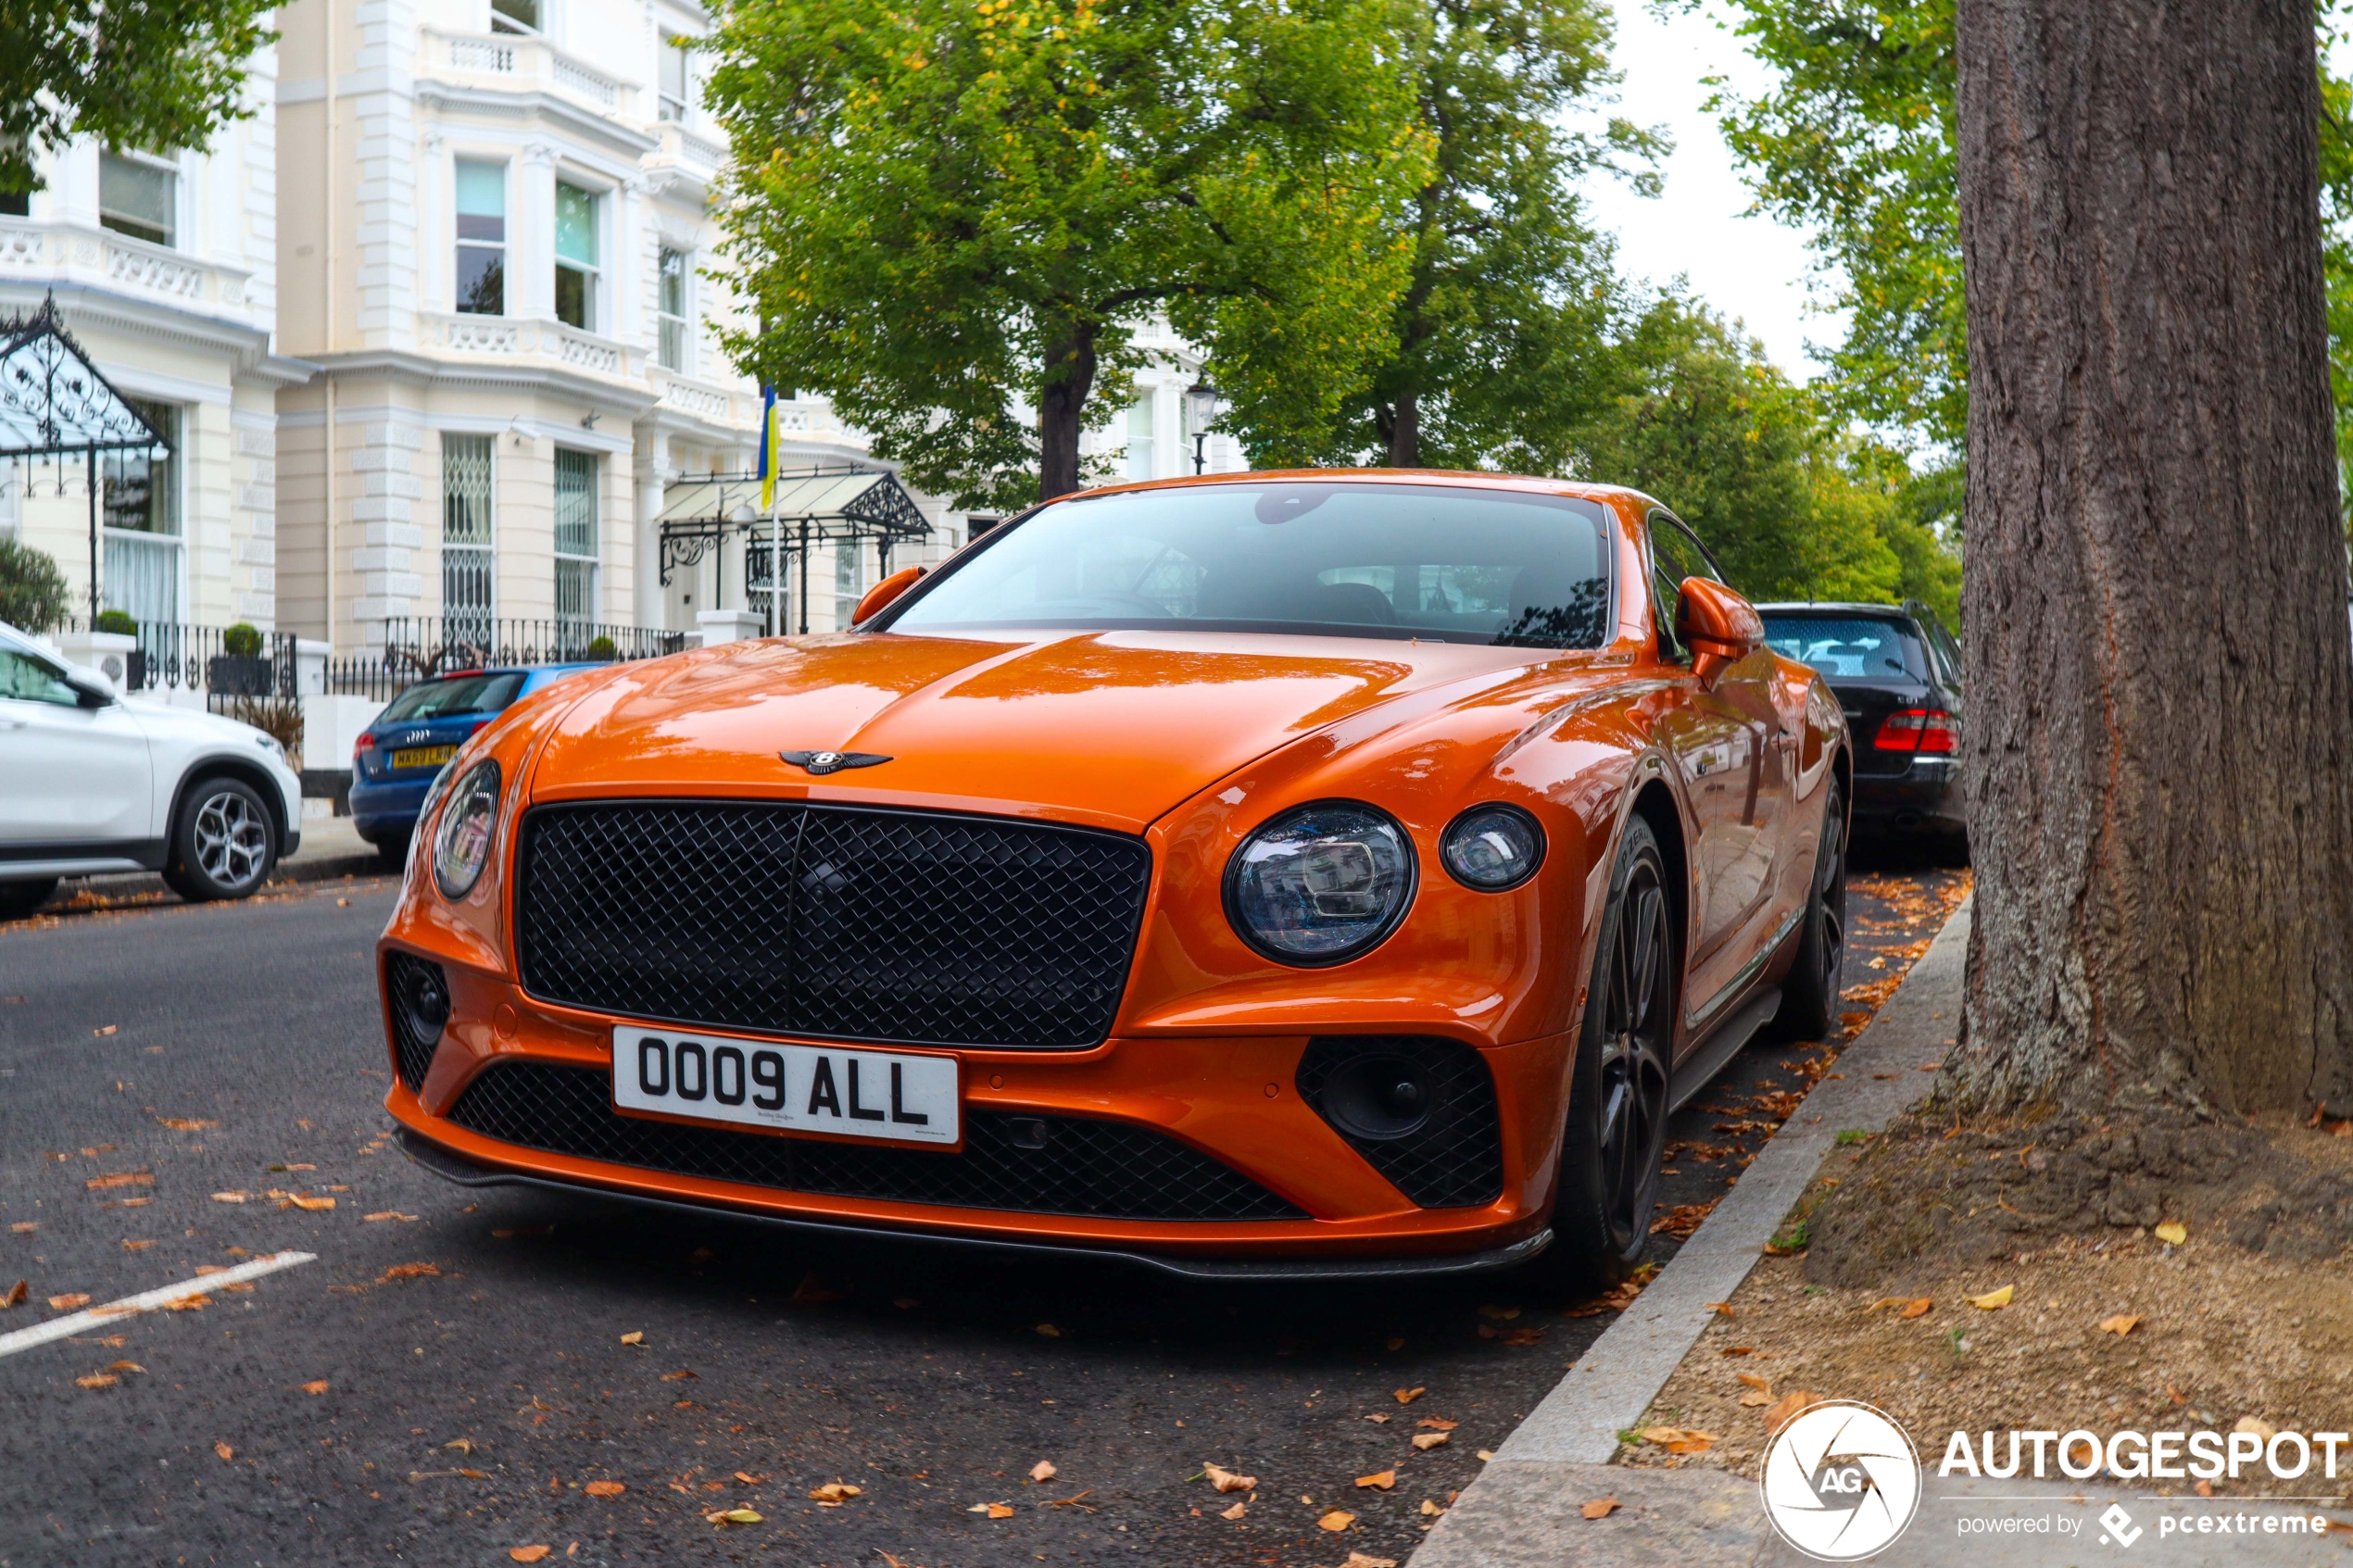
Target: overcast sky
x=1748 y=267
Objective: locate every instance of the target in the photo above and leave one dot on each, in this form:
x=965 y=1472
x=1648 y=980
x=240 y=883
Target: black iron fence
x=221 y=661
x=418 y=647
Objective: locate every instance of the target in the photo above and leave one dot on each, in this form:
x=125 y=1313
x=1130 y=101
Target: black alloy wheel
x=1616 y=1132
x=1809 y=997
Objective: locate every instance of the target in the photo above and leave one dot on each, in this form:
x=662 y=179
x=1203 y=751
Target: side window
x=1941 y=641
x=31 y=679
x=1675 y=555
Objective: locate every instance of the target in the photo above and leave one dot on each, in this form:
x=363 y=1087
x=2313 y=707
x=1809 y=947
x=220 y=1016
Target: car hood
x=1112 y=729
x=160 y=720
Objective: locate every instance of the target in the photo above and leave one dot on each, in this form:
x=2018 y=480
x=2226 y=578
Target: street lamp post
x=1203 y=403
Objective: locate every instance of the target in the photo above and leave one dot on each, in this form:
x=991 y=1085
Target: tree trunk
x=2158 y=749
x=1405 y=431
x=1061 y=406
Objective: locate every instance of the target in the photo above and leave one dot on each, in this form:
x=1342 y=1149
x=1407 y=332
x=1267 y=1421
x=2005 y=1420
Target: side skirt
x=1699 y=1069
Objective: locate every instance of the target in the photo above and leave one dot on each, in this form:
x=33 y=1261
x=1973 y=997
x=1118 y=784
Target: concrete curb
x=1542 y=1473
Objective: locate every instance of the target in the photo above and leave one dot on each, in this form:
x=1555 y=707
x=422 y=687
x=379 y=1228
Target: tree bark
x=2157 y=748
x=1061 y=406
x=1405 y=430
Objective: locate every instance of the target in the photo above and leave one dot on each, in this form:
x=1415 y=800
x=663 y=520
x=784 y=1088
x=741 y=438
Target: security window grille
x=762 y=571
x=482 y=239
x=138 y=198
x=466 y=575
x=846 y=588
x=673 y=86
x=672 y=314
x=575 y=536
x=1139 y=437
x=576 y=257
x=514 y=16
x=141 y=575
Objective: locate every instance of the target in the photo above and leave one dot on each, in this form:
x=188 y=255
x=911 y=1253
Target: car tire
x=223 y=843
x=1809 y=994
x=18 y=900
x=1619 y=1085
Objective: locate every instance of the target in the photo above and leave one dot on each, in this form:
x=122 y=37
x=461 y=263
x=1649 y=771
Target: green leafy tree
x=1855 y=144
x=946 y=213
x=1791 y=502
x=33 y=591
x=150 y=73
x=1503 y=331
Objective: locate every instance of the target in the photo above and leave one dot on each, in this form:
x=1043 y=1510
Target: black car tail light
x=1421 y=1111
x=418 y=992
x=1916 y=729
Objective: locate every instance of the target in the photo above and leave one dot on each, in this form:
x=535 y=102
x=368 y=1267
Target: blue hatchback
x=394 y=759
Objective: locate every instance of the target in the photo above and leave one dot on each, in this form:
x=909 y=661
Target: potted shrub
x=603 y=649
x=240 y=668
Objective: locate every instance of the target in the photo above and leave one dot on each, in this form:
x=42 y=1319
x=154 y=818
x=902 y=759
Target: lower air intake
x=1419 y=1109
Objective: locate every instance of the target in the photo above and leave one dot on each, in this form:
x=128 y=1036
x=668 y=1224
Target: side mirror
x=1717 y=625
x=89 y=692
x=880 y=595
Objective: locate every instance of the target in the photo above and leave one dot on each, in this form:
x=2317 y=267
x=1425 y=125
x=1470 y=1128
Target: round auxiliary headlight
x=1493 y=847
x=1320 y=883
x=461 y=844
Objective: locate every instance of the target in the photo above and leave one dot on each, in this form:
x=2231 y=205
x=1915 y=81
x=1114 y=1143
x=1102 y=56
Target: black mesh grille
x=835 y=922
x=410 y=983
x=1454 y=1158
x=1103 y=1169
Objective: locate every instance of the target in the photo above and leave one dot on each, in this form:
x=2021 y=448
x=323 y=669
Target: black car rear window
x=1847 y=646
x=454 y=693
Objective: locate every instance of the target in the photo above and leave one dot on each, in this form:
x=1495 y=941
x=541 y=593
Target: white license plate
x=788 y=1088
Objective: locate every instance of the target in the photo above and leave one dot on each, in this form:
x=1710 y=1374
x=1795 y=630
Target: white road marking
x=147 y=1301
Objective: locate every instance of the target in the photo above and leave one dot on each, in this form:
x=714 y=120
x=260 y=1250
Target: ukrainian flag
x=767 y=446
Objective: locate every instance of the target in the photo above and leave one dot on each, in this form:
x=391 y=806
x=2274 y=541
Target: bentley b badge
x=831 y=762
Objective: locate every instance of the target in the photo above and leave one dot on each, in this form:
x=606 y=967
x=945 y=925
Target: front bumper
x=1231 y=1097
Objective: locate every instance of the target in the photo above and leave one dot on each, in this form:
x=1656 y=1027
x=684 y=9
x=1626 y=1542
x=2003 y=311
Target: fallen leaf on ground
x=634 y=1336
x=1226 y=1481
x=998 y=1510
x=67 y=1304
x=1359 y=1559
x=1430 y=1509
x=1752 y=1381
x=1486 y=1455
x=2120 y=1323
x=1523 y=1337
x=24 y=1227
x=1615 y=1299
x=195 y=1303
x=1337 y=1520
x=1722 y=1309
x=1428 y=1440
x=2258 y=1428
x=228 y=1198
x=2172 y=1231
x=1050 y=1331
x=120 y=1179
x=1917 y=1307
x=1042 y=1470
x=1681 y=1221
x=1236 y=1512
x=225 y=1451
x=463 y=1444
x=408 y=1271
x=1501 y=1315
x=297 y=1200
x=1676 y=1440
x=107 y=1029
x=604 y=1488
x=835 y=1491
x=316 y=1385
x=1384 y=1479
x=681 y=1373
x=1377 y=1420
x=1786 y=1410
x=1994 y=1300
x=749 y=1480
x=1599 y=1508
x=126 y=1366
x=528 y=1553
x=736 y=1516
x=14 y=1294
x=1407 y=1396
x=388 y=1214
x=96 y=1380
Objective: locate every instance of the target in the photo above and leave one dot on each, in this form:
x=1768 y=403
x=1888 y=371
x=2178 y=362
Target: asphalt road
x=358 y=1408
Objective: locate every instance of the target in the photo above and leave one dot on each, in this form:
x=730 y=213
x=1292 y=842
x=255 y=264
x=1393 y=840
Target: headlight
x=461 y=844
x=1493 y=847
x=1320 y=883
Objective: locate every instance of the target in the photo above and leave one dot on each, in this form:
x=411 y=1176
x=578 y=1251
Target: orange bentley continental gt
x=1275 y=876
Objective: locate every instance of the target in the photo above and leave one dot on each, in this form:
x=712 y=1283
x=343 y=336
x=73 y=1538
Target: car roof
x=1585 y=489
x=1835 y=607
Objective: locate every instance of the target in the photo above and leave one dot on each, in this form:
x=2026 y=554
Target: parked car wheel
x=20 y=898
x=1809 y=997
x=1617 y=1106
x=224 y=843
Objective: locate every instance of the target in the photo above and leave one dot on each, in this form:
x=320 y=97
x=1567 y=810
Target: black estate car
x=1897 y=673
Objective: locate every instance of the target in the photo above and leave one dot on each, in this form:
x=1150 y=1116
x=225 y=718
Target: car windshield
x=1442 y=563
x=453 y=694
x=1850 y=646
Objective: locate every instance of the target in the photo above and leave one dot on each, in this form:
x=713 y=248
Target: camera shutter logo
x=1841 y=1482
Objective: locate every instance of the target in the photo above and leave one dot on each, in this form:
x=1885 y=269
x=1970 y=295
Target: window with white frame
x=576 y=274
x=515 y=15
x=671 y=90
x=466 y=578
x=481 y=238
x=1139 y=437
x=848 y=587
x=670 y=312
x=141 y=575
x=139 y=196
x=576 y=531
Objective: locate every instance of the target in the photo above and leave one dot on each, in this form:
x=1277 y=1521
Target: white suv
x=89 y=783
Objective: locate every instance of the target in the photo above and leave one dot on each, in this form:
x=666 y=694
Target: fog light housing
x=1493 y=847
x=418 y=992
x=1378 y=1096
